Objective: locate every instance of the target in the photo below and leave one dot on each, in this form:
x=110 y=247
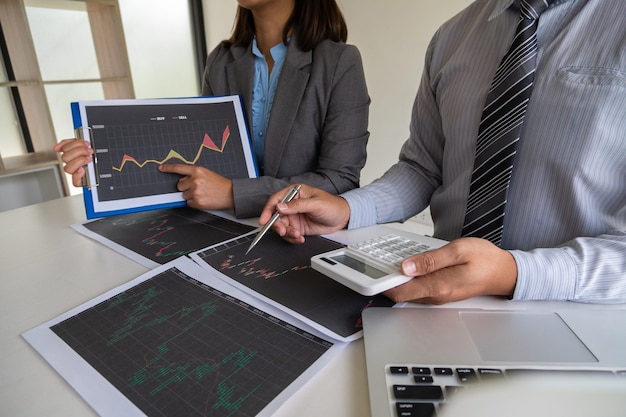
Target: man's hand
x=464 y=268
x=202 y=189
x=312 y=212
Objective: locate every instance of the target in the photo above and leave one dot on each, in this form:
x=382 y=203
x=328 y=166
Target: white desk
x=29 y=179
x=39 y=282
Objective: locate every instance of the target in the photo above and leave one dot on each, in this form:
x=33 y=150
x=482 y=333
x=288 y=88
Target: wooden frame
x=110 y=47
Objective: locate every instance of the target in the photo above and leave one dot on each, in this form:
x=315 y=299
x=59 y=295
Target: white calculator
x=372 y=266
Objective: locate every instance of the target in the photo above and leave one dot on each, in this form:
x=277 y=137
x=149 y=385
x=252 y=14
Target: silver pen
x=287 y=198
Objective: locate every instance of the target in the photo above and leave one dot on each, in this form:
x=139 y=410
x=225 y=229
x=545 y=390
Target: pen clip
x=85 y=133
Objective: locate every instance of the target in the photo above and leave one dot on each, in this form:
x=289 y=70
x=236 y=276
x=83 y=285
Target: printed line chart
x=132 y=141
x=129 y=156
x=175 y=346
x=172 y=155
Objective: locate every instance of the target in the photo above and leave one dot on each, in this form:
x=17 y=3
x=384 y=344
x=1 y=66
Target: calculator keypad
x=389 y=249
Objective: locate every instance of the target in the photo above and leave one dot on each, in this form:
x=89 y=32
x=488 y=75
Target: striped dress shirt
x=565 y=220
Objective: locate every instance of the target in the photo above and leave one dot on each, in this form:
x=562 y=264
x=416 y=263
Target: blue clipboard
x=131 y=138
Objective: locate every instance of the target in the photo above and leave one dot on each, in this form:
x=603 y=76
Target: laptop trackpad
x=518 y=336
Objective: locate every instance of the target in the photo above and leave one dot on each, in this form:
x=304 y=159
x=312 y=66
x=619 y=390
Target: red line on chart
x=248 y=268
x=207 y=142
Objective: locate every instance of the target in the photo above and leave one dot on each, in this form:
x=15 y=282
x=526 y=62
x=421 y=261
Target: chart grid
x=131 y=142
x=175 y=346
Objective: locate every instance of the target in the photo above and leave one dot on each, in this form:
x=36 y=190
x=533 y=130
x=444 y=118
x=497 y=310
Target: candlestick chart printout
x=165 y=234
x=282 y=272
x=175 y=346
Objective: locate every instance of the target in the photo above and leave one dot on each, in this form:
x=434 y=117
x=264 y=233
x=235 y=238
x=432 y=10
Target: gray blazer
x=317 y=131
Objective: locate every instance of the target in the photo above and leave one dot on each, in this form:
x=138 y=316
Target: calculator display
x=360 y=266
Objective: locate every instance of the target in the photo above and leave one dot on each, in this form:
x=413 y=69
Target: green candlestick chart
x=176 y=347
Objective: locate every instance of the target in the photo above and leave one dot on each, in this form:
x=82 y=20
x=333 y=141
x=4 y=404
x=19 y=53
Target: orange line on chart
x=207 y=142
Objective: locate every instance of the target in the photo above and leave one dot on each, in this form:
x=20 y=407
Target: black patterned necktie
x=500 y=128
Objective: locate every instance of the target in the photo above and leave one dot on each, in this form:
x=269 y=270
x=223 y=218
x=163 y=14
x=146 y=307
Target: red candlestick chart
x=282 y=272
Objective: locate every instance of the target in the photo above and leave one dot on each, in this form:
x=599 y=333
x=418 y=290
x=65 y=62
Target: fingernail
x=281 y=206
x=409 y=268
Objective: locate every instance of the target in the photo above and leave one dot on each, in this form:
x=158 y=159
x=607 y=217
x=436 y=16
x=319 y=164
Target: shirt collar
x=278 y=51
x=502 y=5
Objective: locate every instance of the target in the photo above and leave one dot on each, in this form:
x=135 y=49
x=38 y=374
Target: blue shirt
x=565 y=221
x=263 y=95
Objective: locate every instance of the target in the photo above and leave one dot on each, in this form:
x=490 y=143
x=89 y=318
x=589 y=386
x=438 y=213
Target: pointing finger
x=180 y=169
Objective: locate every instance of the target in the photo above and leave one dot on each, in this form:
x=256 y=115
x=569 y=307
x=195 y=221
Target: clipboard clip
x=85 y=133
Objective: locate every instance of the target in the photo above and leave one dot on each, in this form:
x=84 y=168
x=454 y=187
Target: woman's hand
x=76 y=154
x=202 y=188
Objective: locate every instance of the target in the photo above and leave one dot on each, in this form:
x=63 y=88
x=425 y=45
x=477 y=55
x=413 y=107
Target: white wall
x=392 y=37
x=218 y=20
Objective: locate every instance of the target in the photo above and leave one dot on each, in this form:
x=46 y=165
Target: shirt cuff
x=545 y=274
x=362 y=209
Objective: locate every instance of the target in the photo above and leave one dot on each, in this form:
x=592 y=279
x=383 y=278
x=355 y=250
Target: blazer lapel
x=287 y=98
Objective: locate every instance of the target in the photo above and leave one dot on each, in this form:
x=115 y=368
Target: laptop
x=423 y=360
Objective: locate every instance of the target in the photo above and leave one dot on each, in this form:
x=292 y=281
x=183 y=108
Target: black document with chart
x=276 y=271
x=155 y=237
x=132 y=138
x=280 y=274
x=177 y=341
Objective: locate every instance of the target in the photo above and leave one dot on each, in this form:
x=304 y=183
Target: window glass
x=3 y=73
x=160 y=48
x=62 y=37
x=60 y=97
x=11 y=141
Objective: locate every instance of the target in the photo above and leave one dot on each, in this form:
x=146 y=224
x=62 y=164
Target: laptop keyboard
x=420 y=391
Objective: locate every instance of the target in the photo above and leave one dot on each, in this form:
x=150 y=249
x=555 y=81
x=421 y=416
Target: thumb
x=428 y=262
x=297 y=206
